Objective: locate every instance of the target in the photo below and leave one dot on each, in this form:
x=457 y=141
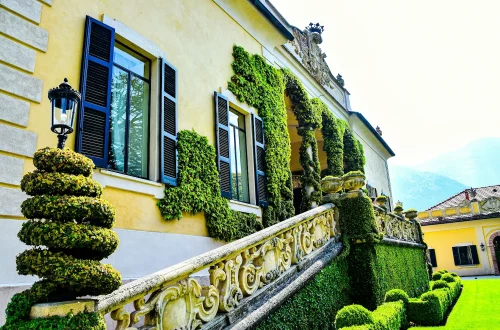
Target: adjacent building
x=147 y=70
x=463 y=232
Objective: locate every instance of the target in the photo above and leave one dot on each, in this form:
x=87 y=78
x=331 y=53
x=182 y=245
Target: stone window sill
x=126 y=182
x=245 y=208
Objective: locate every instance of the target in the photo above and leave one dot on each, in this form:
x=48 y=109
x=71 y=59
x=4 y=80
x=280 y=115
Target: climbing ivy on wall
x=333 y=140
x=309 y=118
x=198 y=190
x=354 y=159
x=262 y=86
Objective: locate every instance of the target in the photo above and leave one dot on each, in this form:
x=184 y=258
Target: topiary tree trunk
x=70 y=231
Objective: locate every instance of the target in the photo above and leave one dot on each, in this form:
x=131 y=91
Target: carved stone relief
x=490 y=204
x=306 y=44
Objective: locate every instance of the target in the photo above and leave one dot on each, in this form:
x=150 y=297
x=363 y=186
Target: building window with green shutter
x=238 y=156
x=129 y=115
x=465 y=255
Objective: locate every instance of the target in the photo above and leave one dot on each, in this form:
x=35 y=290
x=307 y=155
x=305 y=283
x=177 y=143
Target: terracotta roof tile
x=481 y=193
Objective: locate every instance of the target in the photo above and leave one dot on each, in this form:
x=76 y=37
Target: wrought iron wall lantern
x=482 y=247
x=64 y=101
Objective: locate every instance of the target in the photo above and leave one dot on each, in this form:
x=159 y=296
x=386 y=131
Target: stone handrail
x=169 y=299
x=395 y=226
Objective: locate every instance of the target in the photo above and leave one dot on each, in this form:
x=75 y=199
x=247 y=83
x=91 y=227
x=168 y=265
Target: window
x=432 y=257
x=129 y=115
x=238 y=156
x=114 y=118
x=242 y=171
x=465 y=255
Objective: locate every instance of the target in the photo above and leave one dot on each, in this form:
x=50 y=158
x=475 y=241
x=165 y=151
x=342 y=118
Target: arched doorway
x=496 y=248
x=494 y=245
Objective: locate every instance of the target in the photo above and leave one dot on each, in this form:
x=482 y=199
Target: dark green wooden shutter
x=260 y=161
x=475 y=257
x=432 y=255
x=222 y=144
x=168 y=113
x=95 y=86
x=456 y=256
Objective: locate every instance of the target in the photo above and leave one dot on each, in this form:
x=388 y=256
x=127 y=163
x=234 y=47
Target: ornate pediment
x=491 y=204
x=306 y=44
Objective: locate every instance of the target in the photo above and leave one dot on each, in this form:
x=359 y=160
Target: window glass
x=130 y=60
x=129 y=117
x=238 y=155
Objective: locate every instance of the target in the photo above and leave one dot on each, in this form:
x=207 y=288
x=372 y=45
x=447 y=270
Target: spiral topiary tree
x=70 y=231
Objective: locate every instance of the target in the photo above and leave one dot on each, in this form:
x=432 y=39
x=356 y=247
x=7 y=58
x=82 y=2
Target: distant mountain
x=421 y=190
x=475 y=165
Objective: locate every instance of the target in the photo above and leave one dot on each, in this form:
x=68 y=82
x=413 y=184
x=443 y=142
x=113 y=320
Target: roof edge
x=273 y=17
x=370 y=127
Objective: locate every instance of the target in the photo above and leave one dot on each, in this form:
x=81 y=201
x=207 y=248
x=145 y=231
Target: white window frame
x=247 y=111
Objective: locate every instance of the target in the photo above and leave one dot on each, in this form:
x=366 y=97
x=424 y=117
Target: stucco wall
x=443 y=237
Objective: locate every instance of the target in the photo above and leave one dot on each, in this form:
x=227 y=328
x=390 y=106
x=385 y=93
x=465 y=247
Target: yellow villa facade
x=463 y=232
x=178 y=53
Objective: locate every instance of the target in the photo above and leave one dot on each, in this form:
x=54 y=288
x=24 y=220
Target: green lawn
x=477 y=308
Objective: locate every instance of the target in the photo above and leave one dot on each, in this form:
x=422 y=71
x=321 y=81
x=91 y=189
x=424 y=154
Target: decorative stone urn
x=411 y=214
x=354 y=180
x=381 y=200
x=331 y=184
x=398 y=209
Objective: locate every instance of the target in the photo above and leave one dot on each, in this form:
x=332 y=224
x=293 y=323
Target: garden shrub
x=376 y=267
x=198 y=190
x=454 y=274
x=397 y=295
x=448 y=278
x=433 y=306
x=262 y=86
x=439 y=284
x=436 y=276
x=317 y=303
x=74 y=225
x=353 y=315
x=388 y=316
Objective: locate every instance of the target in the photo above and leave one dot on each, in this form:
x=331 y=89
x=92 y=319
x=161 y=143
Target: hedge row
x=398 y=310
x=432 y=307
x=388 y=316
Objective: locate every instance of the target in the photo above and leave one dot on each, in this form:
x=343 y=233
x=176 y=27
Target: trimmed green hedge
x=388 y=316
x=38 y=183
x=393 y=271
x=74 y=226
x=79 y=276
x=97 y=211
x=315 y=305
x=432 y=307
x=97 y=242
x=62 y=161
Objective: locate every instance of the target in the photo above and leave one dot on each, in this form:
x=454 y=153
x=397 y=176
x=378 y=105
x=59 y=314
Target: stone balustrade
x=171 y=299
x=396 y=227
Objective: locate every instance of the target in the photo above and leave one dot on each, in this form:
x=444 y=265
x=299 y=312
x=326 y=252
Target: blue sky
x=427 y=72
